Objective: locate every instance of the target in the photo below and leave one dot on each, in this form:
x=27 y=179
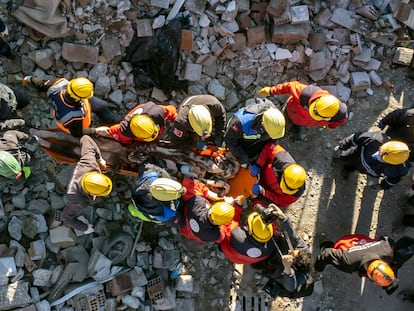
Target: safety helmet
x=260 y=231
x=380 y=273
x=324 y=107
x=394 y=152
x=166 y=189
x=143 y=127
x=293 y=178
x=274 y=123
x=9 y=166
x=200 y=120
x=96 y=184
x=80 y=88
x=221 y=213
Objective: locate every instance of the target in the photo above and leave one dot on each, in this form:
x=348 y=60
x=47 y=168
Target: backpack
x=351 y=240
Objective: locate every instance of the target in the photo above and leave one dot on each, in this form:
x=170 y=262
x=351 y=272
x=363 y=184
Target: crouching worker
x=250 y=242
x=289 y=268
x=144 y=123
x=73 y=103
x=156 y=197
x=376 y=155
x=377 y=259
x=14 y=159
x=86 y=184
x=282 y=180
x=203 y=220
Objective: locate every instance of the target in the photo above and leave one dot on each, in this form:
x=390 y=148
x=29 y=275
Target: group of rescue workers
x=264 y=236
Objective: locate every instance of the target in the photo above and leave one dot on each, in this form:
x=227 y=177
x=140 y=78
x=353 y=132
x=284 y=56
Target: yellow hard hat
x=80 y=88
x=293 y=178
x=274 y=123
x=324 y=107
x=200 y=120
x=221 y=213
x=96 y=184
x=258 y=229
x=394 y=152
x=9 y=166
x=166 y=189
x=143 y=127
x=380 y=273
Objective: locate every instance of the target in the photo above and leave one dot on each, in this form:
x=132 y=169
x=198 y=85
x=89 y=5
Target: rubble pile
x=230 y=50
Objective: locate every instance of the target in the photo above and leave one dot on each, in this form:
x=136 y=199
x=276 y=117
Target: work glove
x=337 y=152
x=27 y=80
x=381 y=125
x=257 y=189
x=255 y=170
x=277 y=211
x=102 y=131
x=265 y=91
x=201 y=145
x=102 y=164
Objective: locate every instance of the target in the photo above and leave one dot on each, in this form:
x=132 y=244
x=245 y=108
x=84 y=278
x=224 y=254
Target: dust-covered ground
x=332 y=207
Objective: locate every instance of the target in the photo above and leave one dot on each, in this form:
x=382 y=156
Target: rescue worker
x=11 y=99
x=374 y=154
x=378 y=259
x=87 y=183
x=289 y=268
x=156 y=197
x=203 y=220
x=309 y=105
x=248 y=243
x=251 y=128
x=282 y=180
x=73 y=103
x=14 y=158
x=201 y=119
x=399 y=125
x=144 y=123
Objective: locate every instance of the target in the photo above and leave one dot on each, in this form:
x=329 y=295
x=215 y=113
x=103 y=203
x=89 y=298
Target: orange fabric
x=193 y=187
x=242 y=183
x=350 y=240
x=86 y=120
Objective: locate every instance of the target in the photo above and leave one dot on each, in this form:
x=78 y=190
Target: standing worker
x=374 y=154
x=144 y=123
x=251 y=128
x=309 y=105
x=282 y=180
x=201 y=119
x=86 y=184
x=72 y=103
